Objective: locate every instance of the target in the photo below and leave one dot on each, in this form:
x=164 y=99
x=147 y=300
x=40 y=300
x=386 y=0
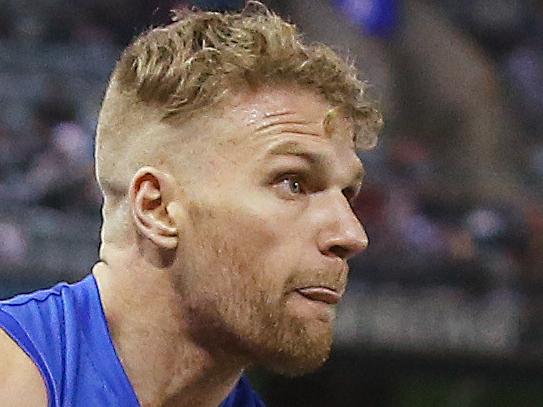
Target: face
x=262 y=259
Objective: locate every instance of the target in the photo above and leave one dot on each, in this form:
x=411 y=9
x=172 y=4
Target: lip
x=321 y=294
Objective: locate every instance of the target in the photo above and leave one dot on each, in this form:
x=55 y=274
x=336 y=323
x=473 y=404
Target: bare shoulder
x=20 y=380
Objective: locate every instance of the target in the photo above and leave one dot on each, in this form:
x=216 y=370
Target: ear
x=151 y=191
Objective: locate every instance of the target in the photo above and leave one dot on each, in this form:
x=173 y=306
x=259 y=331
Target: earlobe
x=150 y=192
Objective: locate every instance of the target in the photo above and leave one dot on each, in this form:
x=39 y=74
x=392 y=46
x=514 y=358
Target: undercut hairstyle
x=178 y=70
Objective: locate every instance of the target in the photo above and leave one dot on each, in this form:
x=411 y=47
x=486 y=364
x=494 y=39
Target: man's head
x=226 y=152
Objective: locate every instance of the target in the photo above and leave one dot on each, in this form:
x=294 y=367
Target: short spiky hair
x=202 y=56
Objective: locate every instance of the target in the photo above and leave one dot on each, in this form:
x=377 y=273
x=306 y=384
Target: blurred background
x=446 y=306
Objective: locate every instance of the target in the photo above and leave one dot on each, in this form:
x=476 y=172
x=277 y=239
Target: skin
x=203 y=281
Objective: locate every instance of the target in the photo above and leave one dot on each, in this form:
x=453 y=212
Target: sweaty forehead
x=267 y=107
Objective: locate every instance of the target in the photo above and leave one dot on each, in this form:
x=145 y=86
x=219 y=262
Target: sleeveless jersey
x=64 y=331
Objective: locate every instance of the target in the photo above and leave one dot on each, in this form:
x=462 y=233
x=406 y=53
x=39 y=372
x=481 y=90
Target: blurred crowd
x=454 y=192
x=436 y=218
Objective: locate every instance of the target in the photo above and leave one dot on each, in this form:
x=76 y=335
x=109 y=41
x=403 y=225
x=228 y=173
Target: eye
x=292 y=185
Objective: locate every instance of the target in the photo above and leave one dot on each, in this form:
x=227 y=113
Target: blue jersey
x=65 y=333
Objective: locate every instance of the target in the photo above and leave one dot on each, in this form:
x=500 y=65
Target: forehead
x=260 y=110
x=257 y=104
x=254 y=127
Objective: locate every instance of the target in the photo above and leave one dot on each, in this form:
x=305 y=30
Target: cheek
x=254 y=243
x=256 y=240
x=232 y=235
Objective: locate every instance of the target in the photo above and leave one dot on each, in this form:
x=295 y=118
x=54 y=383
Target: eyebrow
x=294 y=148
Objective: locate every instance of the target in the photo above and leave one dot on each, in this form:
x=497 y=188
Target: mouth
x=320 y=294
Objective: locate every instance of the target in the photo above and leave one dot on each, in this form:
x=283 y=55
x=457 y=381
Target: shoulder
x=20 y=378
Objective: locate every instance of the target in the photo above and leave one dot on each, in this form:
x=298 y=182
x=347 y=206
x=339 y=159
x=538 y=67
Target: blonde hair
x=171 y=72
x=193 y=62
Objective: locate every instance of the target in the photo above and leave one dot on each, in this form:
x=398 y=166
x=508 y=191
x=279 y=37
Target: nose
x=343 y=236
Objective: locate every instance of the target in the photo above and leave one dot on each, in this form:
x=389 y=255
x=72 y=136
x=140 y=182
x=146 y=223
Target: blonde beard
x=232 y=307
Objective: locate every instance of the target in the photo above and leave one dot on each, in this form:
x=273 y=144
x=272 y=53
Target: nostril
x=339 y=251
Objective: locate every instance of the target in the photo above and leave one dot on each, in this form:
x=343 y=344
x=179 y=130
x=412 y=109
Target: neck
x=165 y=365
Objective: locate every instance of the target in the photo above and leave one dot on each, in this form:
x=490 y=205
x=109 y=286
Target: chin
x=298 y=354
x=297 y=365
